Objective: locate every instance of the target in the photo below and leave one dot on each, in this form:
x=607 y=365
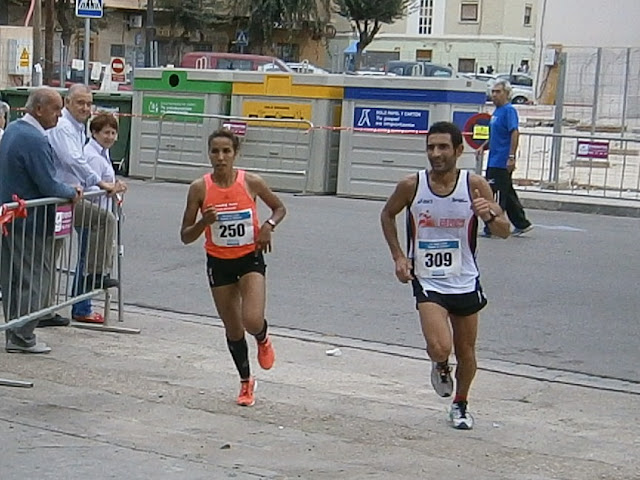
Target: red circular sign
x=476 y=130
x=117 y=65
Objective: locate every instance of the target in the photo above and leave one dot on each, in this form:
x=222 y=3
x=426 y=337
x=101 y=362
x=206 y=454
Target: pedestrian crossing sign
x=89 y=8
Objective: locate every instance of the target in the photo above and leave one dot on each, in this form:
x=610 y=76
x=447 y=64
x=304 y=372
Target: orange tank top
x=234 y=233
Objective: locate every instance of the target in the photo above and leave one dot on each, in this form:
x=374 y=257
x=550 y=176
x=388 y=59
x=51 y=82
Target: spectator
x=67 y=140
x=503 y=146
x=4 y=117
x=104 y=132
x=27 y=170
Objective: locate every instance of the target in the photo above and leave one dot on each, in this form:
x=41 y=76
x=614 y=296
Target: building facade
x=467 y=34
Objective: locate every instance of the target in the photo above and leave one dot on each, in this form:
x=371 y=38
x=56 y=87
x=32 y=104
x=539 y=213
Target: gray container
x=372 y=162
x=289 y=158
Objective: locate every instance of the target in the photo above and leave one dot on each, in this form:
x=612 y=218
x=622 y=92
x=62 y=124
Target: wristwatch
x=272 y=223
x=493 y=217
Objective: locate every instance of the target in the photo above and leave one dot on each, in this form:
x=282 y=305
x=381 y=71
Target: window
x=469 y=12
x=466 y=65
x=425 y=55
x=527 y=15
x=425 y=21
x=117 y=50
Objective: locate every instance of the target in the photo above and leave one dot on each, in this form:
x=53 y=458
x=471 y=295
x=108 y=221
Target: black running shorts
x=223 y=272
x=459 y=304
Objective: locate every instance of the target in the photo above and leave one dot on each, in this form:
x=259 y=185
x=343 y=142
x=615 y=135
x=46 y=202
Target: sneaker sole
x=20 y=350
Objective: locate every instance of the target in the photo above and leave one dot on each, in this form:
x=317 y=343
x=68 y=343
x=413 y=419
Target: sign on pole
x=118 y=70
x=89 y=8
x=242 y=39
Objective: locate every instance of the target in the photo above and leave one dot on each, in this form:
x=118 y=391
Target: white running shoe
x=441 y=379
x=459 y=417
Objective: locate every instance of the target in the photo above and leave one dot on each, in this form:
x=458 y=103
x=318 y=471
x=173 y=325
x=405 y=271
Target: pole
x=556 y=143
x=49 y=24
x=36 y=78
x=149 y=34
x=625 y=93
x=596 y=91
x=87 y=48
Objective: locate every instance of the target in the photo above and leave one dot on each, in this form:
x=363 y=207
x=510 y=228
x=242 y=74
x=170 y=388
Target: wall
x=591 y=23
x=7 y=33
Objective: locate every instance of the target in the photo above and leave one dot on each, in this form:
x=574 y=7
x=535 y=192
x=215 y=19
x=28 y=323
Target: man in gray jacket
x=27 y=170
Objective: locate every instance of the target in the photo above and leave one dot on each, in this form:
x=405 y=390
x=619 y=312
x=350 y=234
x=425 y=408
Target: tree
x=192 y=18
x=263 y=18
x=368 y=16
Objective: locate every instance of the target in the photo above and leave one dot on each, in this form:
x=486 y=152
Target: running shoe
x=516 y=232
x=266 y=354
x=247 y=397
x=460 y=417
x=441 y=379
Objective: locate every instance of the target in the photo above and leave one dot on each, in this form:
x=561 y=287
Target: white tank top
x=442 y=233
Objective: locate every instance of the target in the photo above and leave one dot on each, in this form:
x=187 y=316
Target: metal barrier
x=602 y=166
x=38 y=250
x=277 y=148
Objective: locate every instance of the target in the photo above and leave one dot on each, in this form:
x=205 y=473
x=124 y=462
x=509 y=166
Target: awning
x=352 y=48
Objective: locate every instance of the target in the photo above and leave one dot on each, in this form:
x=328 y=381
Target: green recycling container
x=118 y=103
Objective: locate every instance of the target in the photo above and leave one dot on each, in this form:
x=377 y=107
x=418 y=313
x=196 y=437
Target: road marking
x=562 y=228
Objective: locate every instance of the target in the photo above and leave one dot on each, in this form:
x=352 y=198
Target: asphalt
x=160 y=404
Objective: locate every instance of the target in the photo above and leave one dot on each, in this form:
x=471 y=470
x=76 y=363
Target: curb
x=613 y=207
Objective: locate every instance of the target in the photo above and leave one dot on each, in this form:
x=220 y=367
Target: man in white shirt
x=68 y=139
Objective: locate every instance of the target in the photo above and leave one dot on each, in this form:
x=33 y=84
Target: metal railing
x=54 y=254
x=601 y=166
x=274 y=146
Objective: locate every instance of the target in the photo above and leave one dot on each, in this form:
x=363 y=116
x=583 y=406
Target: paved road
x=564 y=298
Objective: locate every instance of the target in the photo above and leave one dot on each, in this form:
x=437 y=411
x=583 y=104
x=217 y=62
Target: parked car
x=305 y=67
x=485 y=77
x=230 y=61
x=417 y=69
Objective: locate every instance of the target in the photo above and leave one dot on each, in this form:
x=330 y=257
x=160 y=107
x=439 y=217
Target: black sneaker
x=55 y=321
x=460 y=417
x=441 y=379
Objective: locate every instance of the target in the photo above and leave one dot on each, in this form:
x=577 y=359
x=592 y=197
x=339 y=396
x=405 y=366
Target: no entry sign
x=476 y=130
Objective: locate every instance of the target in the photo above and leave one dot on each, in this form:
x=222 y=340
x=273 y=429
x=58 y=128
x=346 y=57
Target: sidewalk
x=162 y=405
x=618 y=207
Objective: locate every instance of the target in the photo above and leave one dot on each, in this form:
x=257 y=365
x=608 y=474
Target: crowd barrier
x=55 y=253
x=589 y=165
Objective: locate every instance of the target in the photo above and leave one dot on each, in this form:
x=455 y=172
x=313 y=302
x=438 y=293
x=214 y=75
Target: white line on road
x=563 y=228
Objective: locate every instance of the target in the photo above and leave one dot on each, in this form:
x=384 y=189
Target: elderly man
x=503 y=146
x=27 y=170
x=67 y=140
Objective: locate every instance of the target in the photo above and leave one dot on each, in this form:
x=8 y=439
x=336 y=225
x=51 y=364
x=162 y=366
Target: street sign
x=89 y=8
x=590 y=149
x=391 y=118
x=242 y=39
x=476 y=130
x=117 y=70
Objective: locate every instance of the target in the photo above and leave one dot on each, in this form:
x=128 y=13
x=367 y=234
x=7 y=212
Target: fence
x=604 y=166
x=599 y=88
x=279 y=149
x=41 y=241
